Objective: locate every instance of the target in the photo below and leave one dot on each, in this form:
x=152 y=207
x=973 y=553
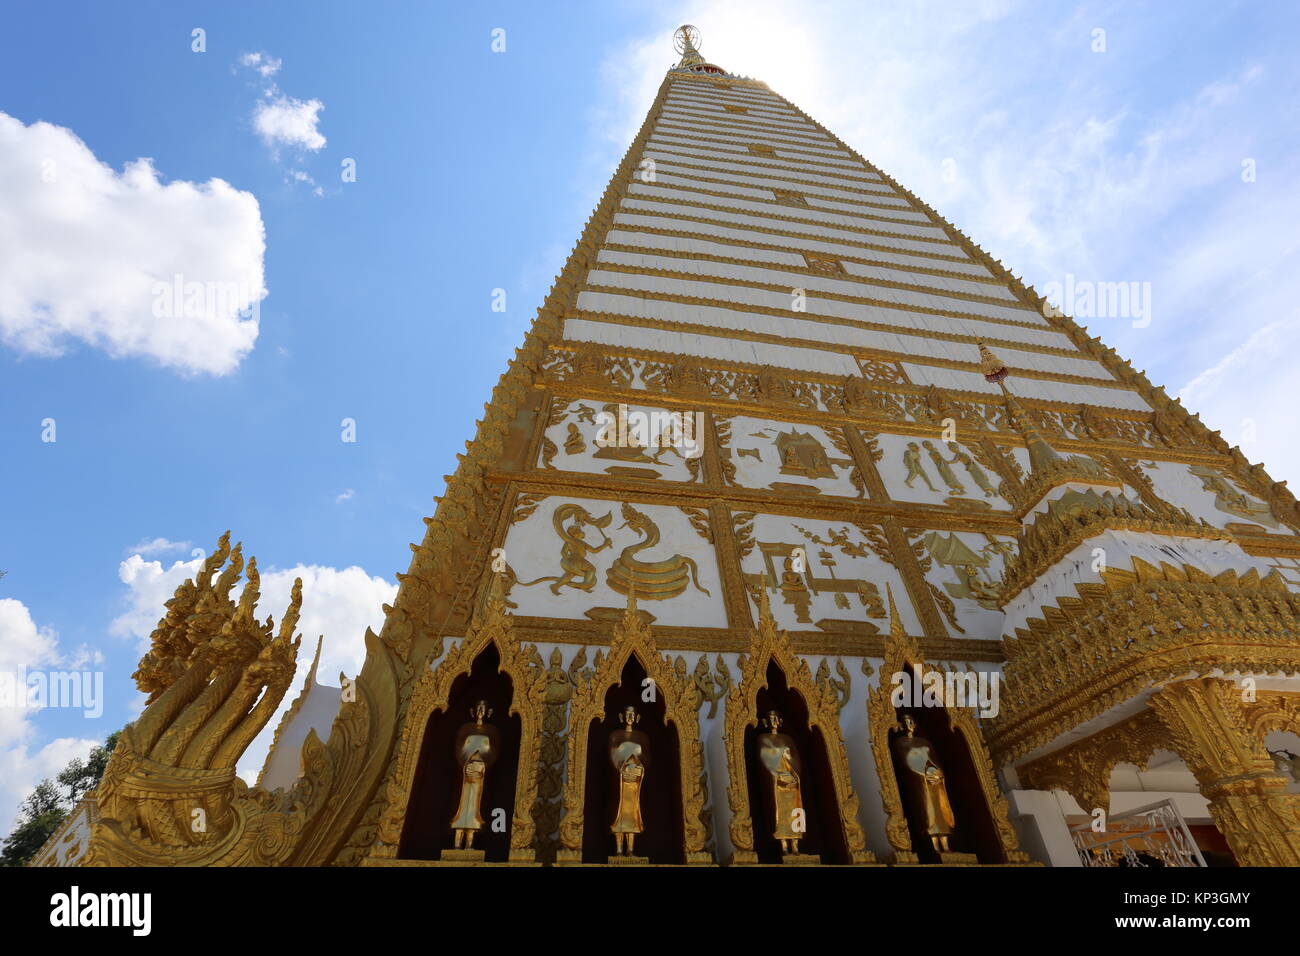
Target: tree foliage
x=47 y=806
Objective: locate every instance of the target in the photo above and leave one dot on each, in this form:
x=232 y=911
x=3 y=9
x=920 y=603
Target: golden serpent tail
x=551 y=577
x=695 y=574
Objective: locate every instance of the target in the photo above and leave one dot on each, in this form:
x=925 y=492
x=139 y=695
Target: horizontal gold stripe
x=774 y=203
x=769 y=310
x=748 y=160
x=774 y=247
x=857 y=351
x=848 y=231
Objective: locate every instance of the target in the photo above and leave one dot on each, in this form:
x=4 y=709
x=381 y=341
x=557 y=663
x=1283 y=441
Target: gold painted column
x=1260 y=821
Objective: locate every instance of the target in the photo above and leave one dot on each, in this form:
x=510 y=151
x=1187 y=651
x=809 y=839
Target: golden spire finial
x=994 y=369
x=765 y=617
x=896 y=628
x=686 y=41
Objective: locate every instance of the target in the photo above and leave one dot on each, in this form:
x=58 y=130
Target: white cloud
x=26 y=646
x=263 y=63
x=93 y=256
x=346 y=495
x=284 y=121
x=339 y=604
x=159 y=546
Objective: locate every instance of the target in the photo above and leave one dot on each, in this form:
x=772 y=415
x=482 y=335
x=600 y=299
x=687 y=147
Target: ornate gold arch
x=767 y=644
x=1273 y=710
x=1083 y=769
x=681 y=696
x=523 y=664
x=903 y=653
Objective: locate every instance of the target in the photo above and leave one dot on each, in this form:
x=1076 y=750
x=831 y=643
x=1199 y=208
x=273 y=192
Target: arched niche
x=661 y=792
x=435 y=789
x=616 y=679
x=824 y=836
x=491 y=664
x=772 y=676
x=979 y=807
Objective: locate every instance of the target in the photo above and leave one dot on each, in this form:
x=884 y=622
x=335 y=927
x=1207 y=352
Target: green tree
x=45 y=808
x=39 y=816
x=82 y=776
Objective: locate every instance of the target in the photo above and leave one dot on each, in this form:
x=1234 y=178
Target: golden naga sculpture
x=924 y=786
x=629 y=751
x=214 y=675
x=779 y=756
x=477 y=746
x=652 y=580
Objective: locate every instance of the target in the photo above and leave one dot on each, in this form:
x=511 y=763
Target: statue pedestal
x=629 y=861
x=800 y=859
x=462 y=856
x=958 y=859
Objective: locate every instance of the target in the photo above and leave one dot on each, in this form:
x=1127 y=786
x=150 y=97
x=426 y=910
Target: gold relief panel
x=830 y=576
x=1209 y=493
x=580 y=558
x=963 y=571
x=956 y=474
x=622 y=440
x=802 y=460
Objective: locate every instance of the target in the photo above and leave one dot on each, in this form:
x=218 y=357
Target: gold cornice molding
x=856 y=351
x=924 y=423
x=583 y=632
x=1126 y=634
x=670 y=358
x=1052 y=536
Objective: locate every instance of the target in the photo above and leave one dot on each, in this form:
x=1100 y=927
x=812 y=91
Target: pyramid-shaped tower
x=780 y=437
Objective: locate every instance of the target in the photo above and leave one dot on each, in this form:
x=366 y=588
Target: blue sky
x=475 y=170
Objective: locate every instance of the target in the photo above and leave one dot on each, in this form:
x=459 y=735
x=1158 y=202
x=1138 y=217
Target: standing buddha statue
x=925 y=794
x=629 y=752
x=477 y=745
x=780 y=758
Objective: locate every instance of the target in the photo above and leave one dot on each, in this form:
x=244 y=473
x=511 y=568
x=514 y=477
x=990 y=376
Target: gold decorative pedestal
x=629 y=861
x=958 y=859
x=463 y=857
x=800 y=859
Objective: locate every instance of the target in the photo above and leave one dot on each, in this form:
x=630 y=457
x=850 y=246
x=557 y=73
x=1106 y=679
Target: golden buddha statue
x=925 y=794
x=477 y=745
x=629 y=752
x=780 y=758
